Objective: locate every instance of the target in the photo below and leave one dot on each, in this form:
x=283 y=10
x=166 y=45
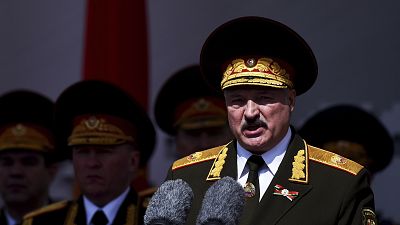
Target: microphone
x=170 y=204
x=223 y=203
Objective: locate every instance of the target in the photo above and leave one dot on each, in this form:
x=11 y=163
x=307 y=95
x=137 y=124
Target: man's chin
x=93 y=189
x=254 y=144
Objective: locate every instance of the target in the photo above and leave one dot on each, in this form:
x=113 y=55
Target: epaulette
x=333 y=160
x=197 y=157
x=145 y=196
x=46 y=209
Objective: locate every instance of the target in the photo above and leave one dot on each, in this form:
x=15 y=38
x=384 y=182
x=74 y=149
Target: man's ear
x=135 y=159
x=292 y=99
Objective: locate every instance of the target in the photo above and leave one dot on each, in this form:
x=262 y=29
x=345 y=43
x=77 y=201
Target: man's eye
x=105 y=151
x=237 y=101
x=6 y=162
x=81 y=151
x=30 y=161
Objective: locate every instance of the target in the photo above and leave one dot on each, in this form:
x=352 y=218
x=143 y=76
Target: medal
x=249 y=190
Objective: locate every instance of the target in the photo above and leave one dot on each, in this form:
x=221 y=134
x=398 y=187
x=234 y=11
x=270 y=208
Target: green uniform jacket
x=3 y=219
x=332 y=190
x=73 y=213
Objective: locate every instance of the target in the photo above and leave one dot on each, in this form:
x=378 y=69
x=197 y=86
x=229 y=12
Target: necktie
x=252 y=187
x=99 y=218
x=254 y=163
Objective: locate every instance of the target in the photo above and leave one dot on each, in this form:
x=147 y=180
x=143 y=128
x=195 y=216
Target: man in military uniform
x=191 y=112
x=352 y=132
x=108 y=135
x=27 y=162
x=262 y=65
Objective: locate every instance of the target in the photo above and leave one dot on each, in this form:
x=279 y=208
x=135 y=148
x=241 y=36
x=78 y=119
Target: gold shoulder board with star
x=197 y=157
x=45 y=209
x=334 y=160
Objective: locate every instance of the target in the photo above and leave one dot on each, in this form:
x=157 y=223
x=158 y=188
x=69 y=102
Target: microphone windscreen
x=170 y=204
x=223 y=203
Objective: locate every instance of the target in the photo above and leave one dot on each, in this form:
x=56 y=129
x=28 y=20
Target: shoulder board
x=46 y=209
x=145 y=196
x=334 y=160
x=147 y=192
x=198 y=157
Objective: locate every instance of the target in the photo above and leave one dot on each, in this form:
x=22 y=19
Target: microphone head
x=170 y=204
x=223 y=203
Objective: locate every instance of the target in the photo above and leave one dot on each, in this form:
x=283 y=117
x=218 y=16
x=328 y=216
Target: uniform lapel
x=127 y=209
x=80 y=218
x=3 y=219
x=230 y=166
x=273 y=206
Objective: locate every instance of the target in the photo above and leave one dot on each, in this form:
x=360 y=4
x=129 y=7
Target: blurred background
x=356 y=43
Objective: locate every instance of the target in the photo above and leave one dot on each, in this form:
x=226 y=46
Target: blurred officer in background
x=351 y=132
x=108 y=135
x=354 y=133
x=27 y=160
x=189 y=110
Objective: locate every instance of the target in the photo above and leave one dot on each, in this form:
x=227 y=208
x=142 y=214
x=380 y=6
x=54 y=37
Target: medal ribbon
x=279 y=190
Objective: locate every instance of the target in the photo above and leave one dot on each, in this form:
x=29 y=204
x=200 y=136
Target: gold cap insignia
x=101 y=130
x=262 y=72
x=200 y=113
x=26 y=136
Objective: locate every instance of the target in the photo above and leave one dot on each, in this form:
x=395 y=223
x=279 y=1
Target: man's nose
x=251 y=110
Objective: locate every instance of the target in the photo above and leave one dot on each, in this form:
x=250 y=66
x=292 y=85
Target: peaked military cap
x=258 y=51
x=93 y=112
x=351 y=124
x=26 y=121
x=188 y=102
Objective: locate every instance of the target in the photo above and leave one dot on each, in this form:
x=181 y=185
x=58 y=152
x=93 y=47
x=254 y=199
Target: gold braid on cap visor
x=201 y=113
x=98 y=131
x=264 y=72
x=26 y=136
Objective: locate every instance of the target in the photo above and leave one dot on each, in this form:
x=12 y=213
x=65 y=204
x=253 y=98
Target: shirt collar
x=10 y=219
x=110 y=210
x=272 y=158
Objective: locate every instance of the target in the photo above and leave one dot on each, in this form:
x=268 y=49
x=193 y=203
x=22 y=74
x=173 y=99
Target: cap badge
x=92 y=123
x=251 y=62
x=280 y=190
x=19 y=130
x=201 y=105
x=249 y=190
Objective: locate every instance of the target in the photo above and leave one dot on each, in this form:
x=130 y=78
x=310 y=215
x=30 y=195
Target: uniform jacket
x=3 y=219
x=130 y=212
x=332 y=190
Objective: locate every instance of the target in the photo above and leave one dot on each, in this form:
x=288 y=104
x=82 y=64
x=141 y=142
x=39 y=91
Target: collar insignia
x=300 y=166
x=219 y=162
